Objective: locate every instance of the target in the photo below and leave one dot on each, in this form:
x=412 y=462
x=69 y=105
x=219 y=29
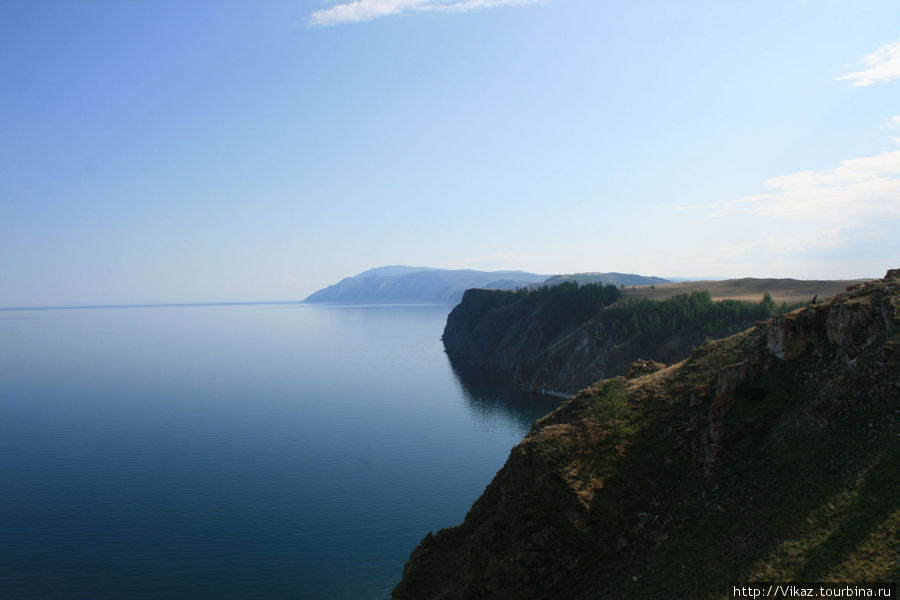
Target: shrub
x=610 y=408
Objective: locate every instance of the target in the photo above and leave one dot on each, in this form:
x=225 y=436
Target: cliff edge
x=566 y=337
x=773 y=454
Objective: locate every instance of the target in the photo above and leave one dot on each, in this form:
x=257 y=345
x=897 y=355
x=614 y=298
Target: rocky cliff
x=773 y=454
x=546 y=343
x=488 y=332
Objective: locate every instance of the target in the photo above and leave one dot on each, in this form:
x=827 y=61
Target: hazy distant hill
x=605 y=278
x=400 y=285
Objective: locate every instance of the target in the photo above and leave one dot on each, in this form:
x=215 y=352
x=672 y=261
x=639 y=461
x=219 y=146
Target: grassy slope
x=613 y=499
x=806 y=489
x=782 y=290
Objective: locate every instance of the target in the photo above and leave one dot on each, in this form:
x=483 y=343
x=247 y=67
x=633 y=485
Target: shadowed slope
x=773 y=454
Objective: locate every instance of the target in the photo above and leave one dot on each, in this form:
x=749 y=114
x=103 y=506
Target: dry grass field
x=750 y=289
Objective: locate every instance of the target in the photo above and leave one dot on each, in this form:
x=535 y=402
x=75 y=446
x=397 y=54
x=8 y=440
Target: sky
x=191 y=151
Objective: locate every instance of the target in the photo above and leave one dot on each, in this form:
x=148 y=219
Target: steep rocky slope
x=541 y=342
x=773 y=454
x=487 y=332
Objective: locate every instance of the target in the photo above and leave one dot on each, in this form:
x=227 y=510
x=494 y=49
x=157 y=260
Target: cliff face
x=773 y=454
x=510 y=334
x=488 y=331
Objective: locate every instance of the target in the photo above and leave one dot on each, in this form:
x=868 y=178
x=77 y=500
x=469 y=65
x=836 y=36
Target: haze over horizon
x=186 y=152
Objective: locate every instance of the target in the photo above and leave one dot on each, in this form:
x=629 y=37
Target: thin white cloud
x=879 y=66
x=857 y=191
x=891 y=122
x=837 y=237
x=359 y=11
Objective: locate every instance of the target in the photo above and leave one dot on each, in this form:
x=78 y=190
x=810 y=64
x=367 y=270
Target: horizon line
x=147 y=305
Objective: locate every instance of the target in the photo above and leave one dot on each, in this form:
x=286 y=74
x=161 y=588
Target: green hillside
x=770 y=455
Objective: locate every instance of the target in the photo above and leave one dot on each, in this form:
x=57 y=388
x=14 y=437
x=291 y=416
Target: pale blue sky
x=204 y=151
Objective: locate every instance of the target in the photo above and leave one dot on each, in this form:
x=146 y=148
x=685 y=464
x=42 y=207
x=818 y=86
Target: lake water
x=238 y=451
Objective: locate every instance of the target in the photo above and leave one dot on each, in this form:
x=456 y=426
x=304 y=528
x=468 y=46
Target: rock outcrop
x=773 y=454
x=487 y=332
x=517 y=336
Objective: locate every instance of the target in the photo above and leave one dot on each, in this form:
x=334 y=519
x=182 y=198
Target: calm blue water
x=264 y=451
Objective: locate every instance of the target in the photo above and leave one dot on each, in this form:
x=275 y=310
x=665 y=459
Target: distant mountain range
x=400 y=285
x=404 y=285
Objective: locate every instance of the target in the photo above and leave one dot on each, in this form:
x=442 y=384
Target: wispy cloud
x=359 y=11
x=891 y=122
x=879 y=66
x=894 y=122
x=859 y=189
x=837 y=237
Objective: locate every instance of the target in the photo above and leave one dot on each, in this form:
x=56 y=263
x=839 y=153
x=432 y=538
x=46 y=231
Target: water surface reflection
x=491 y=397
